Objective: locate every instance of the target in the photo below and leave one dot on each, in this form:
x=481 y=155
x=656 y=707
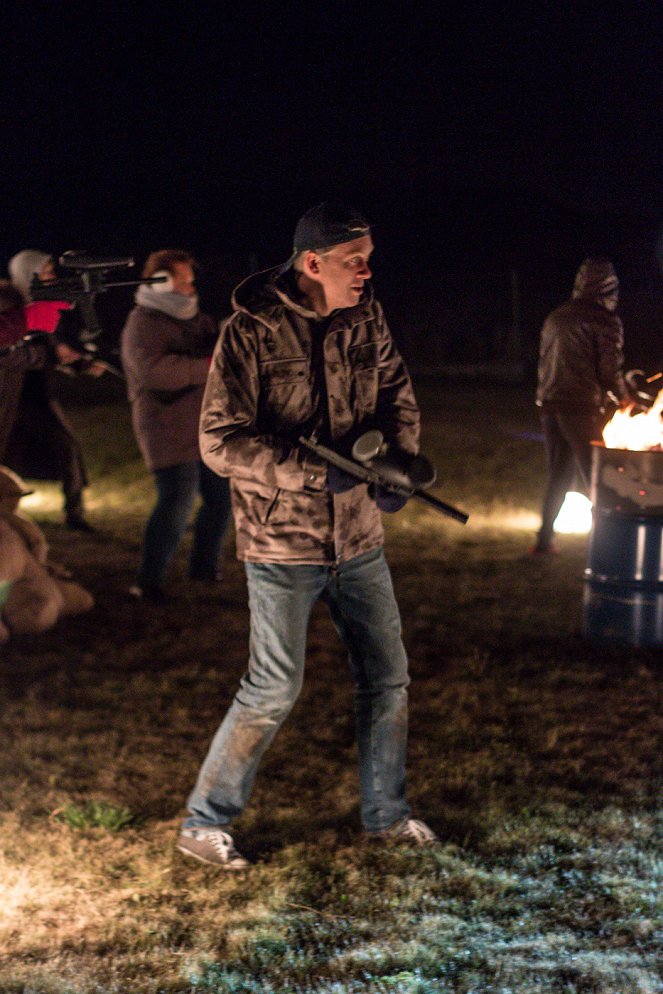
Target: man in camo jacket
x=306 y=352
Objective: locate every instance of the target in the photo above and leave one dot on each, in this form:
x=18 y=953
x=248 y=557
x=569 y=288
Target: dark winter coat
x=166 y=361
x=581 y=356
x=279 y=372
x=42 y=445
x=13 y=364
x=35 y=438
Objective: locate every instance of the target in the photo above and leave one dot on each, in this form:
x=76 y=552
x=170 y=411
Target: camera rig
x=89 y=276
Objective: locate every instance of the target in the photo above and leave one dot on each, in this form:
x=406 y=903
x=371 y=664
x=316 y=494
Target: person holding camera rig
x=166 y=346
x=41 y=444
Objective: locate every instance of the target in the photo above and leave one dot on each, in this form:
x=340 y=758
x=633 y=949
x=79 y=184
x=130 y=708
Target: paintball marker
x=371 y=464
x=89 y=277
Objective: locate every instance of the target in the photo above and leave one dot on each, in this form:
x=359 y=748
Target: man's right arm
x=148 y=356
x=230 y=442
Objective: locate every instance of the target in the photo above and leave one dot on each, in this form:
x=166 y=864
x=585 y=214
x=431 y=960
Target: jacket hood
x=23 y=266
x=263 y=295
x=596 y=278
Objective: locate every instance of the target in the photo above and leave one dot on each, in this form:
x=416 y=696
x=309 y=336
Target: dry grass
x=534 y=754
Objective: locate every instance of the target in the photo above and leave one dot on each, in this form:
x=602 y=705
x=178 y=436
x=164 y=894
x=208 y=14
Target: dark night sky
x=474 y=136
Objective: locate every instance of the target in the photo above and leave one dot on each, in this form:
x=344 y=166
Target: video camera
x=80 y=327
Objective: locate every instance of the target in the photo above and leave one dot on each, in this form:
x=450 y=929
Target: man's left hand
x=388 y=501
x=338 y=481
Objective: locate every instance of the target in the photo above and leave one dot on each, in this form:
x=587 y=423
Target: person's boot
x=75 y=522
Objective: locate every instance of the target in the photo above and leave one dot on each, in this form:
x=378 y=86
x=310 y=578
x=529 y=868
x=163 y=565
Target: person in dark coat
x=15 y=359
x=41 y=444
x=580 y=365
x=166 y=347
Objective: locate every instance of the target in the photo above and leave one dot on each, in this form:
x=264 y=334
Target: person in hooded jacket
x=308 y=351
x=580 y=366
x=41 y=444
x=166 y=347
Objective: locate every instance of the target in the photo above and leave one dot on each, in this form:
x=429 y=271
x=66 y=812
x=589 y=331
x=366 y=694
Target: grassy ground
x=534 y=754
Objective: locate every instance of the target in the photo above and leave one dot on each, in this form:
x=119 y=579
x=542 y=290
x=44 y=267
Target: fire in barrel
x=623 y=589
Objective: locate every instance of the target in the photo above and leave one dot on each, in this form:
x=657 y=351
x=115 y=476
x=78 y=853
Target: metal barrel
x=623 y=585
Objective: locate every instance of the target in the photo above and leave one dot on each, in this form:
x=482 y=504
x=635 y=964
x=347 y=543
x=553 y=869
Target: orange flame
x=637 y=432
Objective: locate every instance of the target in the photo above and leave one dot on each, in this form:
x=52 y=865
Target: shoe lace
x=222 y=843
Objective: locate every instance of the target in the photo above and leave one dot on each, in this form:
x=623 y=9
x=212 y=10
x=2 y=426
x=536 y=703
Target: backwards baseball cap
x=330 y=223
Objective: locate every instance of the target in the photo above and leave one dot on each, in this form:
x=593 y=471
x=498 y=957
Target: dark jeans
x=177 y=488
x=569 y=454
x=74 y=478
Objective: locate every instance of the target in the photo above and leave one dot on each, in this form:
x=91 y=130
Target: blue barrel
x=623 y=588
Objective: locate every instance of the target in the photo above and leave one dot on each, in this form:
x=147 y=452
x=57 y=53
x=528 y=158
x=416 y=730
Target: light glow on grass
x=503 y=517
x=46 y=497
x=575 y=516
x=16 y=887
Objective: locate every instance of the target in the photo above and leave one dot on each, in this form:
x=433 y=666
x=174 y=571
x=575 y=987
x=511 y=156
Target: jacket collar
x=265 y=295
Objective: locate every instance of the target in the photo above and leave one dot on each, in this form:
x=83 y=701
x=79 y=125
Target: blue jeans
x=360 y=599
x=177 y=489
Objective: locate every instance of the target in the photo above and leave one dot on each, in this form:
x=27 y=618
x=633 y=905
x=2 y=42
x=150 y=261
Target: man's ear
x=312 y=263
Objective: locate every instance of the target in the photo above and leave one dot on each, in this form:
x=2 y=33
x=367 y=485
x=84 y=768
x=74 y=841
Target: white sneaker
x=410 y=831
x=211 y=845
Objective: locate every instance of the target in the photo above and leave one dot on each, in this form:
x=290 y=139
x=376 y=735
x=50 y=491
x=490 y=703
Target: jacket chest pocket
x=275 y=373
x=285 y=391
x=363 y=362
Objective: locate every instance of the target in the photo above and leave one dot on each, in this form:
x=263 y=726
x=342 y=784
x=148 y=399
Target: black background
x=478 y=139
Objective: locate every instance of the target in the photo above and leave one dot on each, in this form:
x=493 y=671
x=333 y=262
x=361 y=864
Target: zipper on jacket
x=272 y=506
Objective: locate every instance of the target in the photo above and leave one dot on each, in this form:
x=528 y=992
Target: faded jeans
x=360 y=599
x=177 y=489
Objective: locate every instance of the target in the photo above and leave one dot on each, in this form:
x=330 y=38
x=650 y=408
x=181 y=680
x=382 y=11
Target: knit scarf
x=175 y=305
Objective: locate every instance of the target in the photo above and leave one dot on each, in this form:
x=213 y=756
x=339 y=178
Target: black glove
x=387 y=500
x=338 y=481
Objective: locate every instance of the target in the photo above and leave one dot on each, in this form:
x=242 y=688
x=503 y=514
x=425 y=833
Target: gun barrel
x=368 y=475
x=81 y=261
x=440 y=505
x=147 y=280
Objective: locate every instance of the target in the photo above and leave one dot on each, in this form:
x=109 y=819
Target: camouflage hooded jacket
x=280 y=372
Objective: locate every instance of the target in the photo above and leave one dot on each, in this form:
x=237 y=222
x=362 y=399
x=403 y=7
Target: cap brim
x=284 y=267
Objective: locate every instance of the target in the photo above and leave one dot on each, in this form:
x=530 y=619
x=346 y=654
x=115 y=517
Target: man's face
x=343 y=270
x=183 y=278
x=610 y=301
x=47 y=272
